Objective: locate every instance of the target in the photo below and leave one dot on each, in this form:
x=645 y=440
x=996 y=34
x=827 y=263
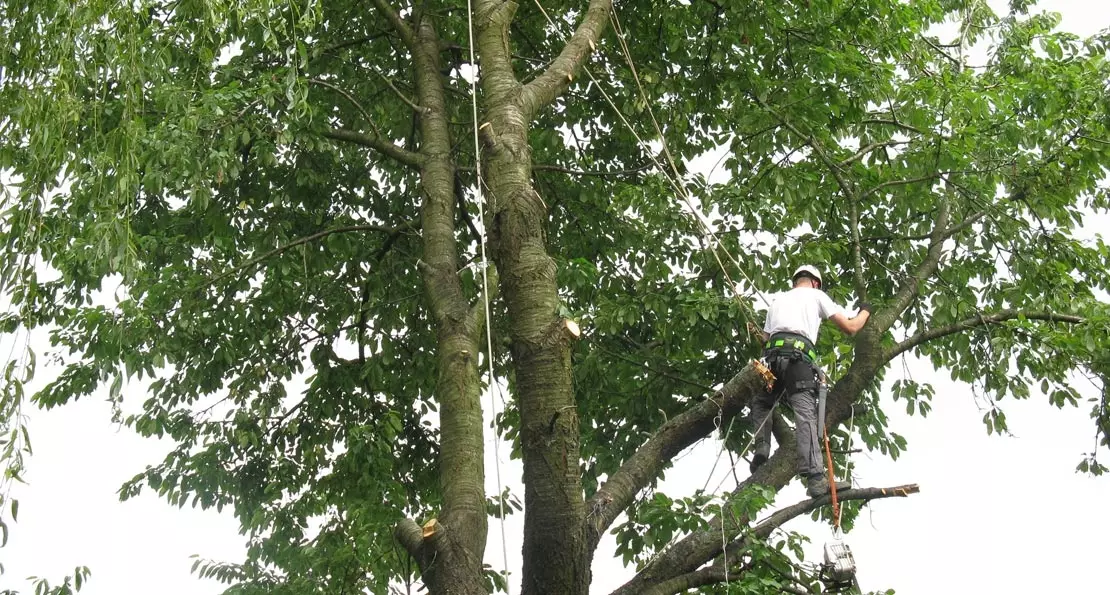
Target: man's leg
x=762 y=405
x=807 y=432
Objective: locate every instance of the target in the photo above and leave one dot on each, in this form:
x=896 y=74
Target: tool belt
x=791 y=357
x=791 y=341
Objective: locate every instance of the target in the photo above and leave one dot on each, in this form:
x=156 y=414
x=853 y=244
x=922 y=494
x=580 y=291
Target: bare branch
x=781 y=517
x=558 y=77
x=973 y=322
x=379 y=144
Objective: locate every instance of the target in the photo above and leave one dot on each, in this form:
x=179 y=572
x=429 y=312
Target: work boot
x=757 y=460
x=818 y=485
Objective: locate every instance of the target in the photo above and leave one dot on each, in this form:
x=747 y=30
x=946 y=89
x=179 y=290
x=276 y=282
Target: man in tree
x=789 y=335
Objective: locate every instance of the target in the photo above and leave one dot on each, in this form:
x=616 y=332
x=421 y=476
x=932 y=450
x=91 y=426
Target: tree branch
x=410 y=536
x=714 y=573
x=864 y=151
x=579 y=172
x=348 y=97
x=976 y=321
x=408 y=37
x=404 y=98
x=379 y=144
x=894 y=123
x=884 y=319
x=560 y=74
x=780 y=517
x=393 y=231
x=907 y=181
x=679 y=432
x=857 y=255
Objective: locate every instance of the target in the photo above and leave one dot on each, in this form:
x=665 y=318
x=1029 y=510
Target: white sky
x=995 y=515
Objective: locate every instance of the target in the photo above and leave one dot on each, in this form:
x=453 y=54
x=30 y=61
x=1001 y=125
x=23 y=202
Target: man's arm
x=852 y=325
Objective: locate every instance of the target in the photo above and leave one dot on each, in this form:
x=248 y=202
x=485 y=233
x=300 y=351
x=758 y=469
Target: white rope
x=485 y=291
x=847 y=469
x=739 y=455
x=714 y=243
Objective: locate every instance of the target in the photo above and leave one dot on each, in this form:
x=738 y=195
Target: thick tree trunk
x=451 y=557
x=555 y=558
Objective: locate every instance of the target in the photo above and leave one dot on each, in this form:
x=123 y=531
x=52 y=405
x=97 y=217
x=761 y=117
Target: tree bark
x=556 y=559
x=450 y=553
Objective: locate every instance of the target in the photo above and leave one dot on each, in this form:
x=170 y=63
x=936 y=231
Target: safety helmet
x=807 y=271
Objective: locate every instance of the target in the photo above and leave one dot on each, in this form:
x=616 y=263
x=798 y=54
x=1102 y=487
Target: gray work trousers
x=804 y=404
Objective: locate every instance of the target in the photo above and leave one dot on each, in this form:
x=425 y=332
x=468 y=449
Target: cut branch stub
x=430 y=528
x=572 y=329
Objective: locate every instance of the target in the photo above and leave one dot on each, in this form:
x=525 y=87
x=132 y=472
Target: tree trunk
x=555 y=559
x=451 y=557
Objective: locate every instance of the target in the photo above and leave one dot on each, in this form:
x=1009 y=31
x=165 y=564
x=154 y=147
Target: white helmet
x=807 y=271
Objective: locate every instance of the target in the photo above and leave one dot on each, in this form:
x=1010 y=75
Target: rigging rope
x=675 y=183
x=485 y=290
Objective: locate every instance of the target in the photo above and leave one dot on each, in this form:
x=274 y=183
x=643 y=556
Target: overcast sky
x=995 y=515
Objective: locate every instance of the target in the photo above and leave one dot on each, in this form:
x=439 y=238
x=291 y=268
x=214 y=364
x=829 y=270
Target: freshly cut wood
x=572 y=328
x=430 y=528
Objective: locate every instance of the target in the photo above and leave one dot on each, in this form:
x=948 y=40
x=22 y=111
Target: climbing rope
x=715 y=244
x=485 y=291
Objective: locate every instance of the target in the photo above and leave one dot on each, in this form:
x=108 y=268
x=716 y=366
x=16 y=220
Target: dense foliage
x=211 y=202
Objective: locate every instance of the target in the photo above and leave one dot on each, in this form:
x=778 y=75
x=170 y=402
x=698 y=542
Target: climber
x=789 y=336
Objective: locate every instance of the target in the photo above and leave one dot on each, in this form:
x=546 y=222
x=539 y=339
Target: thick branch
x=714 y=574
x=885 y=319
x=410 y=536
x=560 y=74
x=973 y=322
x=857 y=255
x=399 y=25
x=379 y=144
x=645 y=465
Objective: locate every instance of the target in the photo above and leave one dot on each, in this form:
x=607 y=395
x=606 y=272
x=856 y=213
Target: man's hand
x=864 y=306
x=757 y=332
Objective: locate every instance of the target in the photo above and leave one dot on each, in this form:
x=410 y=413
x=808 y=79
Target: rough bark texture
x=450 y=558
x=556 y=558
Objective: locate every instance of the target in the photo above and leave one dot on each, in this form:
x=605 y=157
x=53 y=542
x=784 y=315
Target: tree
x=288 y=190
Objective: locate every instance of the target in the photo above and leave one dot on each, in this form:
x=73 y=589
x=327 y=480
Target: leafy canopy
x=210 y=202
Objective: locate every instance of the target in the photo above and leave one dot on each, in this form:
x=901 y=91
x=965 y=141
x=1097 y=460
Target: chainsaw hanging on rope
x=838 y=573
